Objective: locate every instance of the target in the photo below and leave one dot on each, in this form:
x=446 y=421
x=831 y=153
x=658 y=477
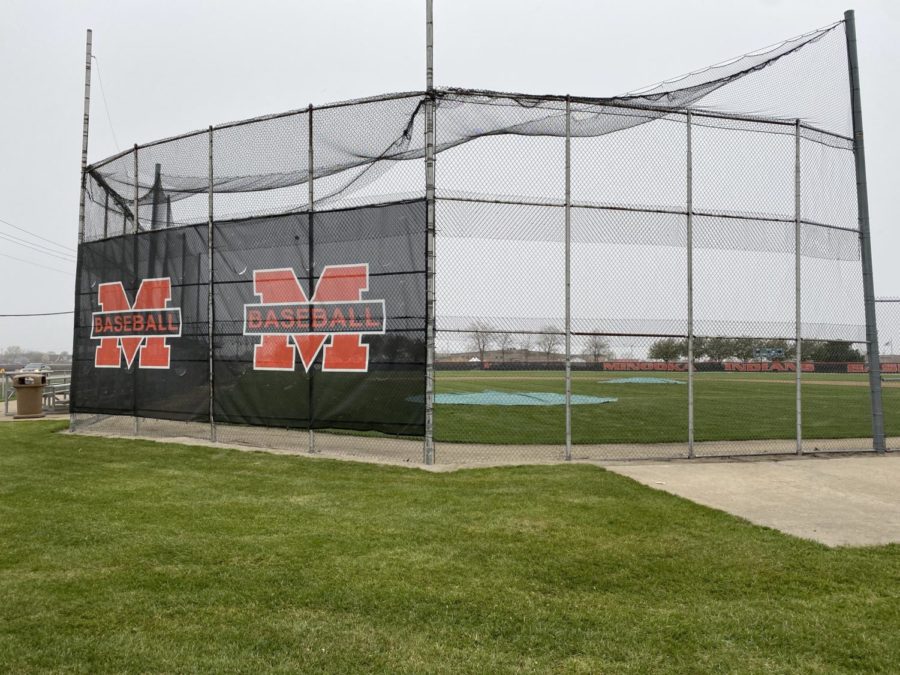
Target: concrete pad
x=838 y=501
x=12 y=411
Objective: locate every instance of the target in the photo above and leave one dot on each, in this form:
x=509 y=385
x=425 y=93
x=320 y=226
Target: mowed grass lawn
x=131 y=556
x=728 y=406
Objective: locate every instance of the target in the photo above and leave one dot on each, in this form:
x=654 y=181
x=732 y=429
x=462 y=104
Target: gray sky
x=169 y=67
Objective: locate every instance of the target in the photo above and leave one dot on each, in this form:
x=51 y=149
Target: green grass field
x=728 y=406
x=131 y=556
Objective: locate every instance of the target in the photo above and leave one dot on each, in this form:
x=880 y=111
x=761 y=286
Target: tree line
x=745 y=349
x=547 y=341
x=14 y=354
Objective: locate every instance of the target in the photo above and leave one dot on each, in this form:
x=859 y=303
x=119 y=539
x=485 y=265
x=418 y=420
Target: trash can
x=29 y=395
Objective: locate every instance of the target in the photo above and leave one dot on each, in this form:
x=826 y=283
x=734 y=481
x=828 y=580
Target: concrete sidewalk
x=838 y=501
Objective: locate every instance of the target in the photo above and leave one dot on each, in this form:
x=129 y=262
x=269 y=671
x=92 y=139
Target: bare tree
x=548 y=340
x=504 y=342
x=526 y=340
x=597 y=348
x=481 y=336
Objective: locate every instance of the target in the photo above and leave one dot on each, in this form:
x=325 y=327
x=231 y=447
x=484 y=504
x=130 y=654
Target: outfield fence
x=328 y=279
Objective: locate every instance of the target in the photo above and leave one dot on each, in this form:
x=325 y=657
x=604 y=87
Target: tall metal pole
x=690 y=284
x=429 y=46
x=568 y=452
x=137 y=227
x=310 y=170
x=862 y=200
x=84 y=150
x=798 y=357
x=429 y=235
x=210 y=299
x=84 y=131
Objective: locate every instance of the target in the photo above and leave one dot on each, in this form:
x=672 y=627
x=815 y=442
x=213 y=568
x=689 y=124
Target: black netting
x=362 y=149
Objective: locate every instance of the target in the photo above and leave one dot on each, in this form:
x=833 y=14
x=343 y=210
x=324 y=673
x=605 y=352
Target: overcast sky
x=168 y=67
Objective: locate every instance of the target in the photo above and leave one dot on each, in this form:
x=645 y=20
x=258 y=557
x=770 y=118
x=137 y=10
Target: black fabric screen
x=387 y=396
x=319 y=322
x=149 y=387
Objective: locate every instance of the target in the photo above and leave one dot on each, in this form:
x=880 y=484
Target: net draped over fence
x=713 y=216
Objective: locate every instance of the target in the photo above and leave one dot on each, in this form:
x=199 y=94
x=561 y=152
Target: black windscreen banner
x=319 y=322
x=141 y=330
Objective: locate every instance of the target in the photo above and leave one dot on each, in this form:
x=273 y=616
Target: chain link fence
x=675 y=272
x=888 y=310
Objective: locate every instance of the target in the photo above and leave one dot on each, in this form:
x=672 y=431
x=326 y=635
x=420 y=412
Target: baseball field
x=729 y=406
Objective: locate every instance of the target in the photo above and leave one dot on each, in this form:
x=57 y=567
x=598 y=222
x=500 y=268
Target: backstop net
x=669 y=272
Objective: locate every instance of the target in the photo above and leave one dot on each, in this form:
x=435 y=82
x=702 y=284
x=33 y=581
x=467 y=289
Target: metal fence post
x=210 y=307
x=690 y=284
x=311 y=195
x=429 y=236
x=136 y=189
x=568 y=246
x=797 y=290
x=862 y=200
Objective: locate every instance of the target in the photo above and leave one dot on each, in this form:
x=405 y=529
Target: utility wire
x=20 y=242
x=3 y=316
x=106 y=106
x=36 y=236
x=31 y=262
